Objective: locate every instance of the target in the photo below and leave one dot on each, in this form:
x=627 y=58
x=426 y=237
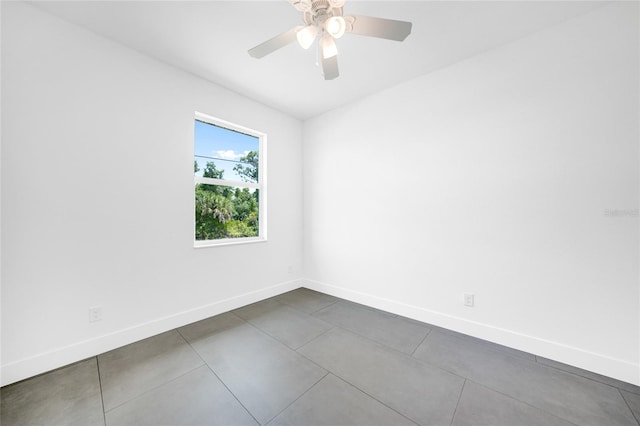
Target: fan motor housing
x=321 y=10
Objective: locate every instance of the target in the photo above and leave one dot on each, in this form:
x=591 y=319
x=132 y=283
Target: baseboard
x=598 y=363
x=59 y=357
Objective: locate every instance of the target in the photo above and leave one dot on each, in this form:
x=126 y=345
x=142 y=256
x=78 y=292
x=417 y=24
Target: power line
x=221 y=159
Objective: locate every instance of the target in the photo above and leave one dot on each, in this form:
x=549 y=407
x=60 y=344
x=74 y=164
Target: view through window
x=229 y=182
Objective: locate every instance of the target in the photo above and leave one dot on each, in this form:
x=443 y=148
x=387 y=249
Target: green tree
x=223 y=211
x=237 y=229
x=248 y=171
x=196 y=169
x=244 y=203
x=211 y=171
x=212 y=212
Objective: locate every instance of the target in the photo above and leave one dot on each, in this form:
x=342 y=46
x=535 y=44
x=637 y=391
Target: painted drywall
x=97 y=197
x=512 y=175
x=493 y=176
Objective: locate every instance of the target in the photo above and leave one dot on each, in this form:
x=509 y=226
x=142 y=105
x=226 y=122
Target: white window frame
x=261 y=185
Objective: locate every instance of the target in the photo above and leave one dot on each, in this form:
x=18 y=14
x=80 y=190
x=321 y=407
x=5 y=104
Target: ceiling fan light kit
x=306 y=36
x=329 y=48
x=335 y=26
x=324 y=18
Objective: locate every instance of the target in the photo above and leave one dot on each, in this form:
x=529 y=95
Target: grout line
x=485 y=344
x=104 y=413
x=373 y=397
x=575 y=374
x=386 y=348
x=535 y=360
x=285 y=306
x=304 y=312
x=421 y=342
x=26 y=379
x=218 y=377
x=322 y=309
x=145 y=392
x=268 y=335
x=301 y=395
x=398 y=352
x=479 y=342
x=309 y=359
x=375 y=310
x=458 y=402
x=507 y=354
x=436 y=366
x=522 y=402
x=155 y=388
x=629 y=406
x=333 y=326
x=231 y=392
x=367 y=338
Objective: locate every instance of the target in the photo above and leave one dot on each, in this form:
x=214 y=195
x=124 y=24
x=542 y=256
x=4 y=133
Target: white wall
x=492 y=176
x=97 y=197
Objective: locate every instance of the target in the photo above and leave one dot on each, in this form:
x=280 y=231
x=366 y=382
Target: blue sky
x=223 y=146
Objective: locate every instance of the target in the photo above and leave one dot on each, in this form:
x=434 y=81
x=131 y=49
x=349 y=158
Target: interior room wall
x=97 y=197
x=512 y=175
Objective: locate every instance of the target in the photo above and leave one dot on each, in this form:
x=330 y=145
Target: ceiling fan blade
x=379 y=27
x=330 y=67
x=275 y=43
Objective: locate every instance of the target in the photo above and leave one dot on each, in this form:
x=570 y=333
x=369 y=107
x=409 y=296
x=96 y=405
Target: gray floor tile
x=590 y=375
x=292 y=327
x=385 y=328
x=480 y=406
x=633 y=400
x=226 y=322
x=134 y=369
x=416 y=321
x=306 y=300
x=258 y=309
x=423 y=393
x=576 y=399
x=489 y=345
x=380 y=311
x=67 y=396
x=197 y=398
x=265 y=375
x=164 y=380
x=333 y=402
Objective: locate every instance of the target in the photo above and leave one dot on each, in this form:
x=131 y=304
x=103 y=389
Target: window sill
x=228 y=242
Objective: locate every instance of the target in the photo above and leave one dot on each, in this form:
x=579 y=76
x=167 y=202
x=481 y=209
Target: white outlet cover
x=469 y=299
x=95 y=314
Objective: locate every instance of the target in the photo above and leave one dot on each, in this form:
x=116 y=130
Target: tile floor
x=305 y=358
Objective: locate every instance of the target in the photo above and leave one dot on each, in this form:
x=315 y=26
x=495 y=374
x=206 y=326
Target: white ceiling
x=211 y=38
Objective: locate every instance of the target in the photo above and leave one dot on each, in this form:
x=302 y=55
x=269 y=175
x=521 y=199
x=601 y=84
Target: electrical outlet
x=290 y=269
x=469 y=299
x=95 y=314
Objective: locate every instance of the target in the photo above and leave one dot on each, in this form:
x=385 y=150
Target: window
x=230 y=190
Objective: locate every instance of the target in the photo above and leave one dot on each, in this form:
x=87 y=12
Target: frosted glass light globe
x=306 y=36
x=335 y=26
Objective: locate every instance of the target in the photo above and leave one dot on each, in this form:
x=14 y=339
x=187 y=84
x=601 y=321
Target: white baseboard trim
x=59 y=357
x=598 y=363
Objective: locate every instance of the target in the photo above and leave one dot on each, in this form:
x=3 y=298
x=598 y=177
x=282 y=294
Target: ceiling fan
x=324 y=20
